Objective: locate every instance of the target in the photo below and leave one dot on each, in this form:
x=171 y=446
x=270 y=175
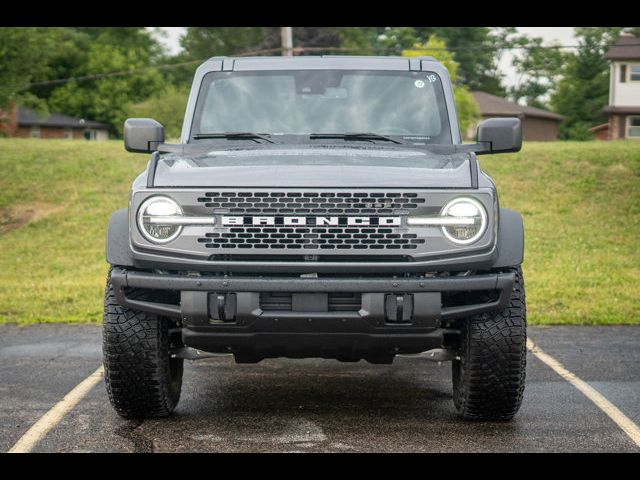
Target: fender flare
x=510 y=239
x=117 y=249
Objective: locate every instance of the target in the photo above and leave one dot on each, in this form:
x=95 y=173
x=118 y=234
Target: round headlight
x=473 y=218
x=154 y=219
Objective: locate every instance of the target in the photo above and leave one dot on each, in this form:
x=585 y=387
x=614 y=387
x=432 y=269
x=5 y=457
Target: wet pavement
x=316 y=405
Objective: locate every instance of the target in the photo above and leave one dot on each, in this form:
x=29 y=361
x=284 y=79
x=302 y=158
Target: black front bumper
x=255 y=333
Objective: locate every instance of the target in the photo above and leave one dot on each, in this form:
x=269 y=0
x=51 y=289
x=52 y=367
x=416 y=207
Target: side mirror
x=501 y=135
x=142 y=135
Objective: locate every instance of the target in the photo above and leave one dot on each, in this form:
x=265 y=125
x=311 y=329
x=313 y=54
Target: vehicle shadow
x=322 y=405
x=321 y=386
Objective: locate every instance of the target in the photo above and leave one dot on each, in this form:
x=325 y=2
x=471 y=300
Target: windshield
x=305 y=102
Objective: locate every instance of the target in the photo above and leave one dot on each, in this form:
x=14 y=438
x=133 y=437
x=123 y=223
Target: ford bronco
x=316 y=207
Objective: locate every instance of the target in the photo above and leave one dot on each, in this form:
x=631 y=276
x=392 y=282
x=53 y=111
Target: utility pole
x=286 y=39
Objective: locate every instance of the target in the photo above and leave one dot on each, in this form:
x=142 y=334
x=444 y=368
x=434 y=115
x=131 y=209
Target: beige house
x=624 y=90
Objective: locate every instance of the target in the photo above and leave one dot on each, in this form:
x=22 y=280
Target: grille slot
x=275 y=301
x=309 y=238
x=371 y=203
x=338 y=302
x=345 y=302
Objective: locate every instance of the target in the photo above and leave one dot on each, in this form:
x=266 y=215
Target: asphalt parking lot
x=321 y=405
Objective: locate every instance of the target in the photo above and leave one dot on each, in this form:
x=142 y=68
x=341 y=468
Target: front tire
x=488 y=380
x=141 y=377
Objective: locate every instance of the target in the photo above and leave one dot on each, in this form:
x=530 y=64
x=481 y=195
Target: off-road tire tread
x=489 y=380
x=136 y=361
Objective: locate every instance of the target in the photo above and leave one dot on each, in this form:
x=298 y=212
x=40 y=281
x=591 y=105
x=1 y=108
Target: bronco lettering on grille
x=315 y=221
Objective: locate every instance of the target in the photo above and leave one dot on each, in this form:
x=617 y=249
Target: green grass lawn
x=580 y=201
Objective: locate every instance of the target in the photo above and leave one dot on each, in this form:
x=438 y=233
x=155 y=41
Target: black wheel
x=488 y=380
x=141 y=377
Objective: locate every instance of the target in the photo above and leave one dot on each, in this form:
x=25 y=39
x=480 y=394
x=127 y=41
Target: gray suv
x=316 y=207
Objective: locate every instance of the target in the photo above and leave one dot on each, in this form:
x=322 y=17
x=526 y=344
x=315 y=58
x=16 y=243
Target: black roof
x=26 y=116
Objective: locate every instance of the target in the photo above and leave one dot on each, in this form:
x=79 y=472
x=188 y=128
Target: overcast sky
x=562 y=35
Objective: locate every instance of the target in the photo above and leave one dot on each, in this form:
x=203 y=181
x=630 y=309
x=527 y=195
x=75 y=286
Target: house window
x=634 y=73
x=35 y=131
x=633 y=127
x=68 y=133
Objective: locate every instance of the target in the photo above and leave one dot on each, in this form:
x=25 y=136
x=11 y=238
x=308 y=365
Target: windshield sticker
x=419 y=84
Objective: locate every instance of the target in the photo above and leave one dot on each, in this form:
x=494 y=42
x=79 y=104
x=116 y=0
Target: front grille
x=370 y=203
x=338 y=301
x=311 y=237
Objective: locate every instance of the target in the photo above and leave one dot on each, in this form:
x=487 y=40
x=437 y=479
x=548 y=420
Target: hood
x=314 y=167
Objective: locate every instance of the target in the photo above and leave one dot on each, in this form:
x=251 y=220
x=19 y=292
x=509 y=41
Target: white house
x=624 y=89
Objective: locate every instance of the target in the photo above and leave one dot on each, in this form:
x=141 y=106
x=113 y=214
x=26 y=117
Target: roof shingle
x=626 y=48
x=492 y=105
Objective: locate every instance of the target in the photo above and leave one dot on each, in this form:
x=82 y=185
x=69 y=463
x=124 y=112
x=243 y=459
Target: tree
x=68 y=49
x=107 y=98
x=167 y=106
x=358 y=40
x=539 y=68
x=583 y=90
x=63 y=61
x=466 y=106
x=137 y=38
x=205 y=42
x=22 y=60
x=476 y=51
x=393 y=40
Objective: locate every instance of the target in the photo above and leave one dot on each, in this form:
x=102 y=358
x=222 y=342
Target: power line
x=295 y=51
x=166 y=66
x=98 y=76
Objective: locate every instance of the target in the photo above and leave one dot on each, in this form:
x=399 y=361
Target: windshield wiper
x=355 y=135
x=240 y=135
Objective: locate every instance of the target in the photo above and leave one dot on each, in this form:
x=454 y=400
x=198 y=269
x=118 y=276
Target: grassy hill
x=580 y=201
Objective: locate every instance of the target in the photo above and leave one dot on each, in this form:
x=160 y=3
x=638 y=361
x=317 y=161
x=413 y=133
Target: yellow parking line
x=625 y=423
x=30 y=439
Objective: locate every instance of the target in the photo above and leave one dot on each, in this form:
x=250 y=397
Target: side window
x=633 y=127
x=634 y=73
